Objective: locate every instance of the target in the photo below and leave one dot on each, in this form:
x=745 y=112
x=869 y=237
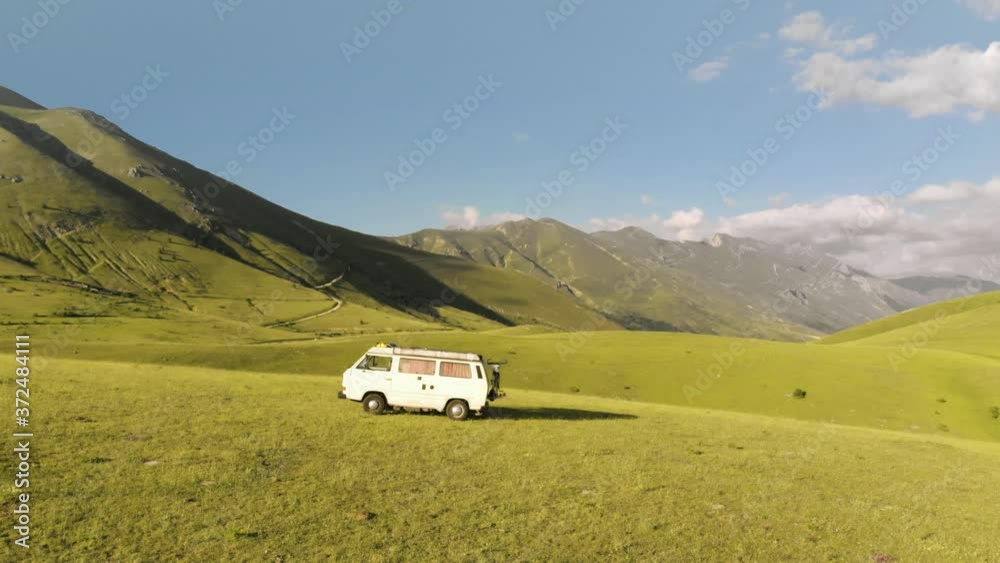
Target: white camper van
x=388 y=376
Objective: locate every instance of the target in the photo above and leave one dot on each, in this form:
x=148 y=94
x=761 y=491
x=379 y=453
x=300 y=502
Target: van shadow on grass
x=507 y=413
x=552 y=413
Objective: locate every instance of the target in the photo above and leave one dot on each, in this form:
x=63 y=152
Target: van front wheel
x=457 y=409
x=373 y=403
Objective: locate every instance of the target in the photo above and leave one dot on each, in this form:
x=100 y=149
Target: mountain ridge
x=806 y=291
x=98 y=206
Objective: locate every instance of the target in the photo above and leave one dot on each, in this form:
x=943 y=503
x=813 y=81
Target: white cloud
x=810 y=28
x=955 y=191
x=988 y=9
x=952 y=230
x=646 y=199
x=888 y=241
x=778 y=200
x=791 y=53
x=469 y=217
x=464 y=218
x=503 y=217
x=949 y=79
x=709 y=71
x=520 y=137
x=757 y=41
x=681 y=225
x=685 y=223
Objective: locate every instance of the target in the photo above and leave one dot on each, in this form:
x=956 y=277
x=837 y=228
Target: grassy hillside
x=98 y=207
x=938 y=392
x=968 y=324
x=208 y=465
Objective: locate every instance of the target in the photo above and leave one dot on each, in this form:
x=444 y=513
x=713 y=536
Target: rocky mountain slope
x=723 y=285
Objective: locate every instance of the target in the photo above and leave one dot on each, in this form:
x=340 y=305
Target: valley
x=723 y=399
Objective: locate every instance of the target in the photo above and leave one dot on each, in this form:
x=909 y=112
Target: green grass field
x=157 y=439
x=970 y=325
x=142 y=462
x=938 y=392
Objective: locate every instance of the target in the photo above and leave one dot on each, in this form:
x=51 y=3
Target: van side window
x=479 y=372
x=453 y=369
x=418 y=367
x=377 y=363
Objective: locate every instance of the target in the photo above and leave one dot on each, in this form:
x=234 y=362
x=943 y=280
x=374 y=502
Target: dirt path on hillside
x=336 y=305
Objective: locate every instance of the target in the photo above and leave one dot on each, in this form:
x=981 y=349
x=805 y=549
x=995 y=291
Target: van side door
x=416 y=380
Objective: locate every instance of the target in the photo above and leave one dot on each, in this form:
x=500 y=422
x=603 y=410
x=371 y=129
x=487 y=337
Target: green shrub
x=799 y=394
x=995 y=412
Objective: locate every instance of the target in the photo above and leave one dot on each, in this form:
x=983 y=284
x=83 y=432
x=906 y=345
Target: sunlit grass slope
x=969 y=325
x=935 y=392
x=143 y=462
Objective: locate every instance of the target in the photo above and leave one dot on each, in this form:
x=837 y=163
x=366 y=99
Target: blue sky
x=224 y=70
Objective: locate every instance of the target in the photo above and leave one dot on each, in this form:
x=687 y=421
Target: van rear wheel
x=457 y=409
x=374 y=403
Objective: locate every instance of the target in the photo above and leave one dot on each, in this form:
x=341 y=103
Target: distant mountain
x=84 y=204
x=724 y=285
x=580 y=265
x=940 y=288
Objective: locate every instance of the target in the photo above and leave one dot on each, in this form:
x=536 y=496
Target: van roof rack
x=425 y=353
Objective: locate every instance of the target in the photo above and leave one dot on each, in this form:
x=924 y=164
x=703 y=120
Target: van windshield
x=376 y=363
